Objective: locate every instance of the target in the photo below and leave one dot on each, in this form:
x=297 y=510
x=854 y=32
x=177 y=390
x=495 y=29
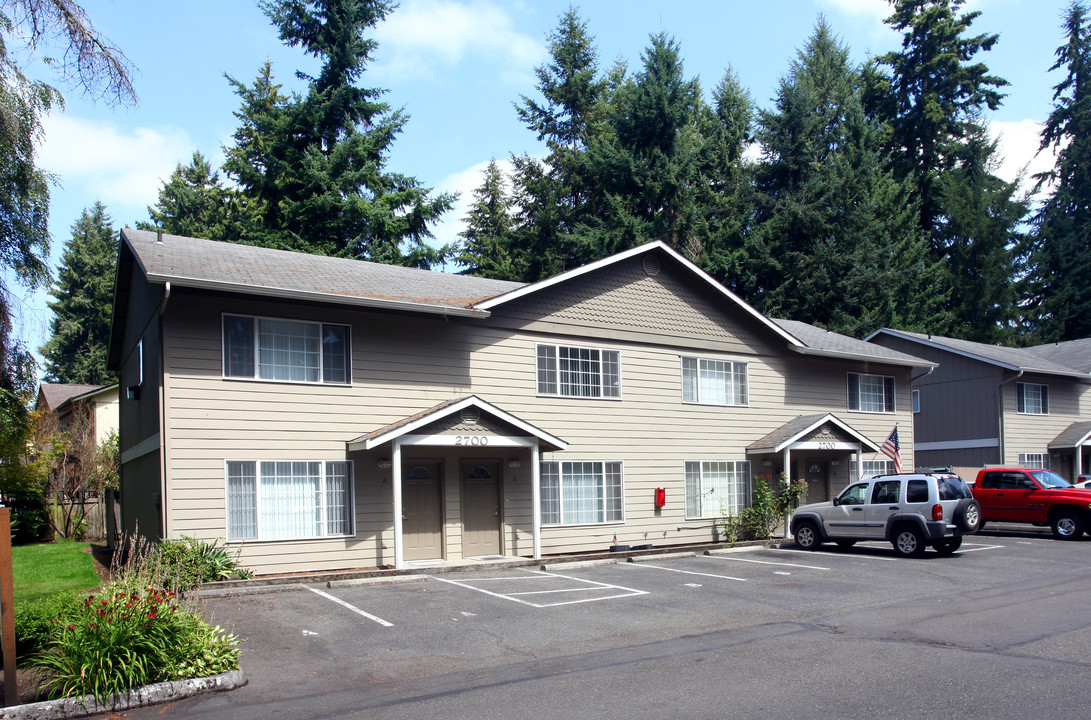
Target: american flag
x=893 y=449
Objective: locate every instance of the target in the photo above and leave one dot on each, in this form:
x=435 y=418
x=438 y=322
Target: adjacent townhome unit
x=323 y=413
x=986 y=404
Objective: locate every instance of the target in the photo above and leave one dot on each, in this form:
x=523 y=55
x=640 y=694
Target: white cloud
x=122 y=167
x=873 y=9
x=1019 y=150
x=426 y=38
x=464 y=183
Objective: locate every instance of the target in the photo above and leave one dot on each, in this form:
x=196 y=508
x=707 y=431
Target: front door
x=818 y=481
x=422 y=516
x=480 y=508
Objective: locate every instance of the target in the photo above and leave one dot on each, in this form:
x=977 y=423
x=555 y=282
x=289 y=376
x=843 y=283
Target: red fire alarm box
x=660 y=497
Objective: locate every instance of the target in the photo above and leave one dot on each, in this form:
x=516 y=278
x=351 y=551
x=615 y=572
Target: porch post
x=396 y=481
x=536 y=500
x=860 y=461
x=788 y=481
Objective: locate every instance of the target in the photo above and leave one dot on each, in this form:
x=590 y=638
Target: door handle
x=857 y=509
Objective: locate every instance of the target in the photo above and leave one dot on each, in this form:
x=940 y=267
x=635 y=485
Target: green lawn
x=44 y=569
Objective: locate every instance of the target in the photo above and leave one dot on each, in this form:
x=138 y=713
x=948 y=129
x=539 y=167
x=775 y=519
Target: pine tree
x=82 y=302
x=1057 y=285
x=310 y=167
x=193 y=202
x=836 y=242
x=486 y=247
x=932 y=96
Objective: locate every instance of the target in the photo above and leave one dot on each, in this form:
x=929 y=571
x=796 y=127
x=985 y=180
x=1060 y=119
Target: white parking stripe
x=763 y=562
x=353 y=608
x=628 y=592
x=846 y=555
x=685 y=572
x=965 y=549
x=487 y=592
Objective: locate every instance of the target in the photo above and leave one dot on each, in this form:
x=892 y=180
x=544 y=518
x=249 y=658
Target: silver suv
x=910 y=510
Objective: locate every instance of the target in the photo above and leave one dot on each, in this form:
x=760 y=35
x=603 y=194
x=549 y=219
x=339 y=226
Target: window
x=871 y=393
x=717 y=489
x=279 y=500
x=714 y=382
x=853 y=495
x=1032 y=399
x=916 y=401
x=889 y=491
x=871 y=469
x=578 y=372
x=1034 y=460
x=285 y=350
x=577 y=493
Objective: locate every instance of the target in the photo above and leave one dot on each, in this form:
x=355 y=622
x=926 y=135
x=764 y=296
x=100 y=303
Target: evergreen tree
x=647 y=161
x=836 y=242
x=486 y=247
x=932 y=96
x=194 y=203
x=310 y=167
x=555 y=195
x=82 y=302
x=1057 y=284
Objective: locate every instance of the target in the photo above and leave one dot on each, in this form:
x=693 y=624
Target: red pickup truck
x=1032 y=495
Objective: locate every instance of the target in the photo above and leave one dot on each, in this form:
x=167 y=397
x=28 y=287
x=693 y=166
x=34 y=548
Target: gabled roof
x=407 y=425
x=213 y=265
x=1073 y=436
x=1031 y=360
x=1075 y=354
x=795 y=430
x=54 y=395
x=816 y=341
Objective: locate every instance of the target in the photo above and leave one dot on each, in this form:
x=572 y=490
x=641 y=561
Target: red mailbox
x=660 y=497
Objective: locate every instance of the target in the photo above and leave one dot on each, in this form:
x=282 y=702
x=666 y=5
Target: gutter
x=815 y=352
x=383 y=303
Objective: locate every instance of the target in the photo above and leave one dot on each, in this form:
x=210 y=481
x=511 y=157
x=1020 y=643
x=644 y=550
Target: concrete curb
x=135 y=698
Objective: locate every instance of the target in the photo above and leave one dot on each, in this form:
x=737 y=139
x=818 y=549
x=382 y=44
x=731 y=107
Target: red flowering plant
x=127 y=635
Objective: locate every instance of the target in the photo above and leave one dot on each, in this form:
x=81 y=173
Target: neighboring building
x=67 y=401
x=325 y=413
x=987 y=405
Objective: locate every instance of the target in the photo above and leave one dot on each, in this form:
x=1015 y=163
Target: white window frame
x=916 y=401
x=887 y=380
x=255 y=375
x=872 y=468
x=266 y=534
x=552 y=476
x=1041 y=406
x=548 y=372
x=701 y=488
x=1034 y=460
x=737 y=376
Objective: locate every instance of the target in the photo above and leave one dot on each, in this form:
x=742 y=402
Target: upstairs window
x=713 y=382
x=285 y=350
x=1032 y=399
x=578 y=372
x=871 y=393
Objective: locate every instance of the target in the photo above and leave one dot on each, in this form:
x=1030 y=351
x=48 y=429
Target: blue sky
x=457 y=67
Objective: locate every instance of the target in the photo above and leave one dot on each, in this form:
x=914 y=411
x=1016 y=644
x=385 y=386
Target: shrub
x=188 y=562
x=36 y=622
x=126 y=636
x=766 y=510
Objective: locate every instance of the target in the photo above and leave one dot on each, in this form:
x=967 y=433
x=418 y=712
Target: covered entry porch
x=464 y=482
x=821 y=449
x=1070 y=452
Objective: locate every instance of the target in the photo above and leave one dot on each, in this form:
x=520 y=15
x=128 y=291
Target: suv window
x=917 y=491
x=953 y=488
x=886 y=491
x=853 y=495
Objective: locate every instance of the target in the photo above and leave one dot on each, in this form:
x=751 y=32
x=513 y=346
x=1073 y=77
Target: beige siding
x=1025 y=433
x=404 y=364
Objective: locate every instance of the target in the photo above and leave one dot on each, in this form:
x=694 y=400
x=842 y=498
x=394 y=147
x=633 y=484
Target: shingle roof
x=797 y=427
x=1075 y=354
x=193 y=262
x=1071 y=436
x=57 y=394
x=837 y=345
x=1036 y=360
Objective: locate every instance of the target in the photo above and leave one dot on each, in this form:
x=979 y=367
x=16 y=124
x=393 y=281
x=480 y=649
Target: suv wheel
x=948 y=547
x=968 y=515
x=807 y=536
x=1066 y=525
x=908 y=541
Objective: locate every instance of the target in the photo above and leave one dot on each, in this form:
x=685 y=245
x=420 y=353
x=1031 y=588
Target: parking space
x=541 y=589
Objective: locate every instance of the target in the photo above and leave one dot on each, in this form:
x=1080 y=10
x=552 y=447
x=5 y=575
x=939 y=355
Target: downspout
x=1000 y=414
x=913 y=414
x=163 y=495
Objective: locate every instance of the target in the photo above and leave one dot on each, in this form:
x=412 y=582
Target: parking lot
x=769 y=631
